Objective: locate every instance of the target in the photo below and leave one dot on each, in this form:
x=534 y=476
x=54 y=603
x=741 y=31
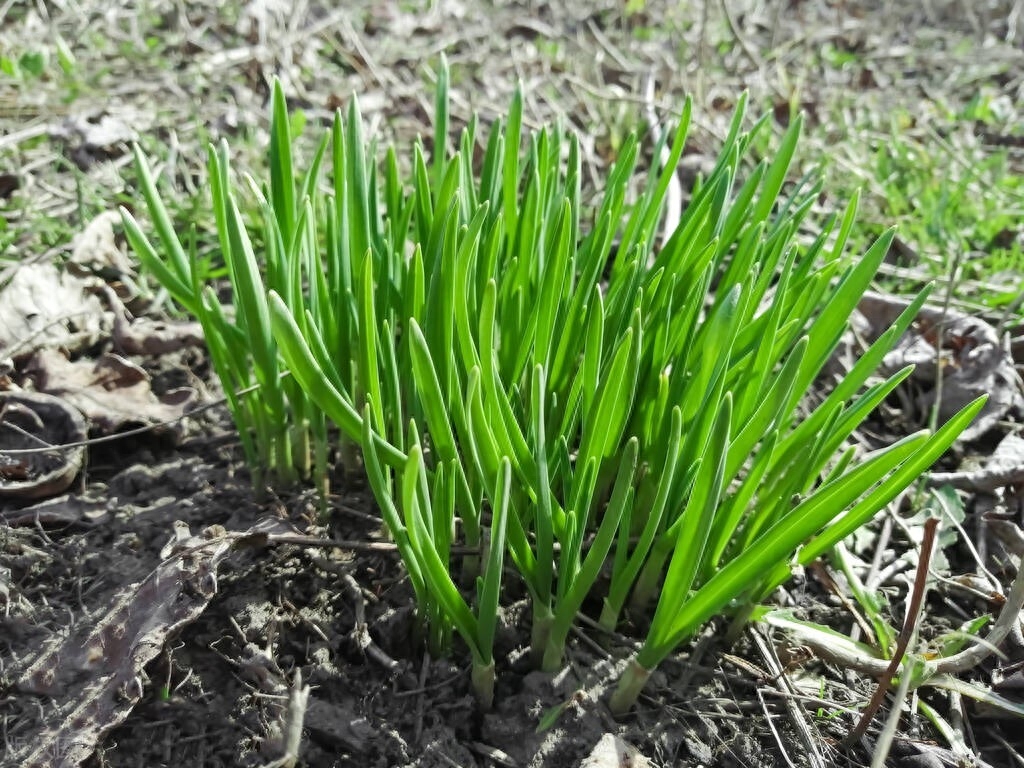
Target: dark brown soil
x=216 y=693
x=207 y=699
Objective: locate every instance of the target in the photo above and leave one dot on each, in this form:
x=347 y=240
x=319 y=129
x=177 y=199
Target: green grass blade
x=369 y=371
x=582 y=579
x=489 y=588
x=282 y=179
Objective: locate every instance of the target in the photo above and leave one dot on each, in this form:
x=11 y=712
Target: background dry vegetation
x=918 y=105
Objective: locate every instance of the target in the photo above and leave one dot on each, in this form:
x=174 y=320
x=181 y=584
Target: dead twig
x=967 y=659
x=294 y=720
x=880 y=753
x=796 y=714
x=360 y=634
x=986 y=479
x=1009 y=617
x=903 y=641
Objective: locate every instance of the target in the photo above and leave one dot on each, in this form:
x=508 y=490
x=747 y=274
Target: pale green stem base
x=483 y=684
x=323 y=481
x=554 y=651
x=471 y=563
x=739 y=623
x=539 y=634
x=284 y=466
x=349 y=455
x=301 y=450
x=646 y=586
x=609 y=616
x=630 y=685
x=439 y=631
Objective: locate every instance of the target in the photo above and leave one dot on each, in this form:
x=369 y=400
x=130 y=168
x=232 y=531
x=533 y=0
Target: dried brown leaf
x=29 y=421
x=43 y=307
x=111 y=391
x=95 y=674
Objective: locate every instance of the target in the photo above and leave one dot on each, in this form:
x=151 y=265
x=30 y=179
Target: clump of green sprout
x=278 y=424
x=580 y=401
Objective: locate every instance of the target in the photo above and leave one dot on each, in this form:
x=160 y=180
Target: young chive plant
x=277 y=423
x=569 y=395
